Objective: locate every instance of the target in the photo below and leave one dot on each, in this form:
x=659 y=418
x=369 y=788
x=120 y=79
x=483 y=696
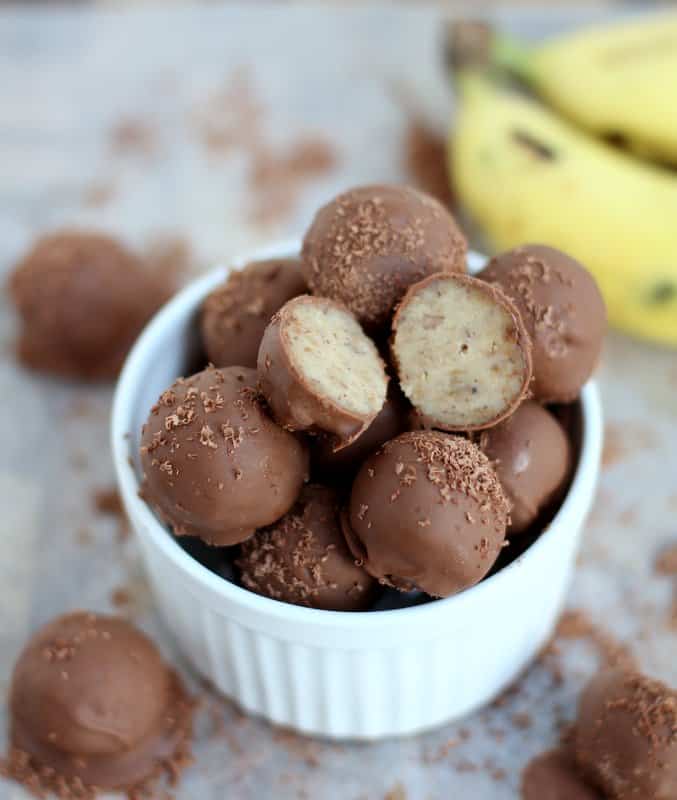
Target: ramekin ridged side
x=338 y=674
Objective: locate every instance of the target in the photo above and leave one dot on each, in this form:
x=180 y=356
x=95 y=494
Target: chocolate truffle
x=93 y=704
x=236 y=313
x=626 y=736
x=83 y=298
x=461 y=351
x=303 y=558
x=427 y=511
x=532 y=456
x=553 y=776
x=216 y=465
x=563 y=311
x=390 y=421
x=368 y=245
x=319 y=371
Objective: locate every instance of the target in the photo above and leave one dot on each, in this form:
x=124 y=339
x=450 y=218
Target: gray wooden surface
x=70 y=82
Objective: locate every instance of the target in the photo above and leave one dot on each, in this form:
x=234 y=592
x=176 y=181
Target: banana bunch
x=527 y=174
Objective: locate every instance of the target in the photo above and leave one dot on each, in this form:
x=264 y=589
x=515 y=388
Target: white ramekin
x=340 y=674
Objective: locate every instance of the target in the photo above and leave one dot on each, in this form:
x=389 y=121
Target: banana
x=525 y=175
x=618 y=81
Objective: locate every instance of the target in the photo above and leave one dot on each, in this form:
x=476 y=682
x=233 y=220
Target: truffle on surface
x=319 y=371
x=369 y=244
x=461 y=352
x=235 y=314
x=532 y=457
x=563 y=312
x=427 y=511
x=553 y=776
x=626 y=736
x=215 y=464
x=303 y=558
x=83 y=299
x=93 y=704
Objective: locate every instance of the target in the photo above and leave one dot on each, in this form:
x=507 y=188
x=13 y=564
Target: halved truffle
x=235 y=314
x=462 y=354
x=303 y=558
x=215 y=464
x=319 y=371
x=427 y=511
x=94 y=706
x=369 y=244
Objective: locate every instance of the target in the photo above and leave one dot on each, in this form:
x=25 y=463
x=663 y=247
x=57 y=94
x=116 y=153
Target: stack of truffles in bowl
x=372 y=418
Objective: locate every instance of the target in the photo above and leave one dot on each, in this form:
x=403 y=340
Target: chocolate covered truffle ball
x=83 y=298
x=236 y=313
x=368 y=245
x=461 y=352
x=215 y=464
x=92 y=703
x=563 y=311
x=390 y=421
x=532 y=455
x=427 y=511
x=303 y=558
x=319 y=371
x=626 y=736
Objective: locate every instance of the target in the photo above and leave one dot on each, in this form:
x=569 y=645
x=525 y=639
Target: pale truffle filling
x=336 y=358
x=459 y=356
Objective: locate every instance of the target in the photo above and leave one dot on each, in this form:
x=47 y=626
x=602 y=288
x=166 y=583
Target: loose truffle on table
x=626 y=736
x=368 y=245
x=93 y=704
x=461 y=352
x=427 y=511
x=554 y=776
x=319 y=371
x=215 y=464
x=83 y=298
x=303 y=558
x=532 y=456
x=563 y=312
x=235 y=314
x=391 y=420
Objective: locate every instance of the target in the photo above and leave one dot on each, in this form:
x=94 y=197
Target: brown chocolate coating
x=553 y=776
x=92 y=700
x=216 y=465
x=427 y=511
x=83 y=299
x=626 y=736
x=563 y=311
x=303 y=558
x=461 y=351
x=369 y=244
x=234 y=315
x=532 y=456
x=391 y=420
x=296 y=400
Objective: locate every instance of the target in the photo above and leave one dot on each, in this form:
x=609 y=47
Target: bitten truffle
x=563 y=312
x=461 y=351
x=626 y=736
x=303 y=558
x=532 y=456
x=319 y=371
x=236 y=313
x=93 y=704
x=215 y=464
x=427 y=511
x=368 y=245
x=390 y=421
x=83 y=299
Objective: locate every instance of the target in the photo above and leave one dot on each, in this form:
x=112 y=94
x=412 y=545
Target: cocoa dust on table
x=108 y=502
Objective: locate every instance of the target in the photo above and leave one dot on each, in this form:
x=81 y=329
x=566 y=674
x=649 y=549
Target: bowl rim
x=186 y=301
